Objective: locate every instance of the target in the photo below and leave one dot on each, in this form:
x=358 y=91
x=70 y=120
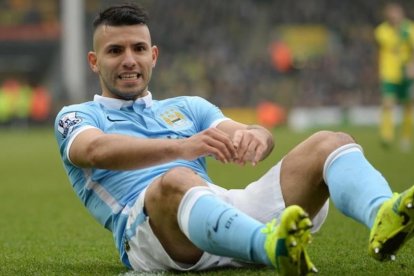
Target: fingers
x=219 y=145
x=220 y=150
x=244 y=147
x=259 y=152
x=249 y=149
x=237 y=138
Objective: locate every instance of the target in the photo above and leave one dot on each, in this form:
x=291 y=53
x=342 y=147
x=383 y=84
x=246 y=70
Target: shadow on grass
x=258 y=270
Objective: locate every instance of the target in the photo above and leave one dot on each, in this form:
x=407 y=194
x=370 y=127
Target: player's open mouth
x=130 y=76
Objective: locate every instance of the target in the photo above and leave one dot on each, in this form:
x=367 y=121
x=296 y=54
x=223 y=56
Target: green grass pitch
x=46 y=231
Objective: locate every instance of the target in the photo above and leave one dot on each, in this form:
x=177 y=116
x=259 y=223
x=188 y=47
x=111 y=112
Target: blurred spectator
x=5 y=105
x=21 y=103
x=395 y=38
x=40 y=104
x=10 y=91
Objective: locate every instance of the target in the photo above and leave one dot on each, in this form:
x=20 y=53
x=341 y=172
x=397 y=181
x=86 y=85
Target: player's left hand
x=251 y=146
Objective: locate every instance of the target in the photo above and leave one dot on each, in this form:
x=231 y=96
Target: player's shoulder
x=80 y=107
x=74 y=112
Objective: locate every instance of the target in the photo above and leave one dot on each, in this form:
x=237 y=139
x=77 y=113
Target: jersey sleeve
x=71 y=121
x=207 y=114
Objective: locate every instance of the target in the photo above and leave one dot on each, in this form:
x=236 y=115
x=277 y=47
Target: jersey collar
x=118 y=103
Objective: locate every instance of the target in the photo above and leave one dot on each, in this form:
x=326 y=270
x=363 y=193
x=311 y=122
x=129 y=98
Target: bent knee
x=177 y=174
x=328 y=141
x=337 y=137
x=178 y=179
x=169 y=188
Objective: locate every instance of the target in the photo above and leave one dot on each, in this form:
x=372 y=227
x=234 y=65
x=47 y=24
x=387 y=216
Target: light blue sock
x=356 y=188
x=217 y=227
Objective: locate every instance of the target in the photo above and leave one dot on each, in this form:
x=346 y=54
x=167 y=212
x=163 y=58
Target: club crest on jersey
x=67 y=123
x=174 y=118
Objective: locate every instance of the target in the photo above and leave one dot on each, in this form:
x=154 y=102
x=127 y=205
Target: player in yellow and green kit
x=395 y=38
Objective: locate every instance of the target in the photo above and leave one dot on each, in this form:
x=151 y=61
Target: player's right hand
x=213 y=142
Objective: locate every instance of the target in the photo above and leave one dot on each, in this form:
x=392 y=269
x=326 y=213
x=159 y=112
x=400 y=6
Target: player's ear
x=92 y=60
x=155 y=53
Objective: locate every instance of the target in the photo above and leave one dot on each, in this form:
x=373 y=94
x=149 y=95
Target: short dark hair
x=121 y=15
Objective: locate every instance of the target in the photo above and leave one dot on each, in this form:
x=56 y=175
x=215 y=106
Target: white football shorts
x=147 y=254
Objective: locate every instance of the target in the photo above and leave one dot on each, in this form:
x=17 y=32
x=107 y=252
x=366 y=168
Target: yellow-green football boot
x=286 y=242
x=393 y=226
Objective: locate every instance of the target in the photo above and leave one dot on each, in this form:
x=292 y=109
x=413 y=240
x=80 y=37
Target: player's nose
x=129 y=60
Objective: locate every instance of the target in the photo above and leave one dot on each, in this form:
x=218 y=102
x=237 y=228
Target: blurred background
x=301 y=63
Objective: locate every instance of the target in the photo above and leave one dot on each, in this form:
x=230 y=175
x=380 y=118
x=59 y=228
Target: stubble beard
x=124 y=95
x=128 y=96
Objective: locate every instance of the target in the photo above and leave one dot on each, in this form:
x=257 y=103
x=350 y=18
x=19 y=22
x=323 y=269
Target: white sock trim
x=186 y=205
x=345 y=149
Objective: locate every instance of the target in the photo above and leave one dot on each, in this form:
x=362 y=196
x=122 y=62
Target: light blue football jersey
x=108 y=194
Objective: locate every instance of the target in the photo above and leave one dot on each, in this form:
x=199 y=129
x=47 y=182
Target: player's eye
x=114 y=50
x=140 y=48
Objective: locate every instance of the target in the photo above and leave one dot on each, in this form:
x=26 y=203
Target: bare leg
x=162 y=199
x=407 y=126
x=387 y=120
x=302 y=170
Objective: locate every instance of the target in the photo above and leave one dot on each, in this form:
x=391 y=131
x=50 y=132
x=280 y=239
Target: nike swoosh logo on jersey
x=115 y=120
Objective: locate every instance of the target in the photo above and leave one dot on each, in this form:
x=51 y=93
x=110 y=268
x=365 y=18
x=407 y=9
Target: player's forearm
x=119 y=152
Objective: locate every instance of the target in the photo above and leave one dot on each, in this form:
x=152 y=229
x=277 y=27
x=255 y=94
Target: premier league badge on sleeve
x=67 y=123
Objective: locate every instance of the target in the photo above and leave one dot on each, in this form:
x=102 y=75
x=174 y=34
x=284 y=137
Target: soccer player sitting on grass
x=138 y=165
